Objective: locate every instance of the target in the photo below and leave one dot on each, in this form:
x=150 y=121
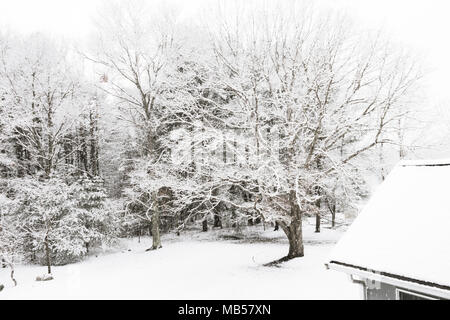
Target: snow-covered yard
x=194 y=266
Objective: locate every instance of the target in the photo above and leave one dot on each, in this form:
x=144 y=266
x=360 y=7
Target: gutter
x=353 y=280
x=399 y=282
x=362 y=283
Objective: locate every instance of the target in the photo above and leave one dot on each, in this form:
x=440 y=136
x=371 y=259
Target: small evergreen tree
x=95 y=212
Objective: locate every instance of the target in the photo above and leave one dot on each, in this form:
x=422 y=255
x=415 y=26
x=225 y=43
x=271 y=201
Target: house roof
x=404 y=230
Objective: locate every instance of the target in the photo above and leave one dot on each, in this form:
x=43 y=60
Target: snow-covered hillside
x=194 y=266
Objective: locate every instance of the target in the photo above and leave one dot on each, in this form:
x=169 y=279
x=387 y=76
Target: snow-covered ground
x=194 y=266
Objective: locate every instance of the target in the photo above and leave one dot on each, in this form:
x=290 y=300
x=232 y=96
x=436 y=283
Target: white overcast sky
x=421 y=24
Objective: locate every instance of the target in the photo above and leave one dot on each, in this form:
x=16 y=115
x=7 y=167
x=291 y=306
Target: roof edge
x=442 y=289
x=425 y=163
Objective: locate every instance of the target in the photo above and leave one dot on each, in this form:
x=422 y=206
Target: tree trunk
x=317 y=222
x=47 y=255
x=11 y=266
x=318 y=192
x=218 y=207
x=333 y=219
x=295 y=237
x=294 y=231
x=205 y=225
x=155 y=225
x=93 y=143
x=193 y=165
x=12 y=274
x=333 y=215
x=217 y=221
x=224 y=149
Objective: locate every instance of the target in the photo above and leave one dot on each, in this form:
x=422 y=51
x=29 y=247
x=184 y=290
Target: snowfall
x=195 y=265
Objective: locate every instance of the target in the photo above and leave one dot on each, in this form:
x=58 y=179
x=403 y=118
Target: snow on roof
x=405 y=228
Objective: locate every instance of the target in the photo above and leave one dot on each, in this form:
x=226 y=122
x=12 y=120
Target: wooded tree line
x=259 y=116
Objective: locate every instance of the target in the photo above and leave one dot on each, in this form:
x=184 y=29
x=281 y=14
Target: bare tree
x=325 y=94
x=137 y=50
x=39 y=88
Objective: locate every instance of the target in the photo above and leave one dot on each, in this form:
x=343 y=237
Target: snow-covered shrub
x=10 y=238
x=51 y=230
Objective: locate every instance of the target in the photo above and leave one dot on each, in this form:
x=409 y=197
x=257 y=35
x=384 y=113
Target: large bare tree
x=316 y=97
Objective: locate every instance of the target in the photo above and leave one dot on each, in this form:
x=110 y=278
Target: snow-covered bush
x=10 y=238
x=51 y=231
x=51 y=223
